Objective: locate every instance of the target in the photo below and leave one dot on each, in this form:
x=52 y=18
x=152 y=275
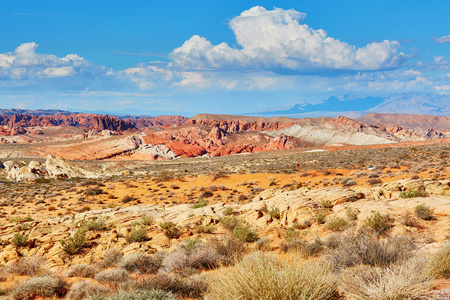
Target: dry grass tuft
x=260 y=276
x=439 y=264
x=405 y=280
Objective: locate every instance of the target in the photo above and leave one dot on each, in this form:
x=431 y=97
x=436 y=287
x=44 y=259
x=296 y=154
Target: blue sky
x=217 y=56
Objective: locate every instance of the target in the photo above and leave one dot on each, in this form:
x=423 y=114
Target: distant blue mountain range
x=410 y=103
x=332 y=104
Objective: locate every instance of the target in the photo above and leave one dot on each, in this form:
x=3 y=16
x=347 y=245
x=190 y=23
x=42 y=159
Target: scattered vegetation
x=73 y=244
x=414 y=192
x=424 y=212
x=337 y=224
x=260 y=276
x=378 y=222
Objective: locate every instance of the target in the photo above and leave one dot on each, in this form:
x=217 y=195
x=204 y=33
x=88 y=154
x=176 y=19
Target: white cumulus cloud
x=443 y=39
x=24 y=63
x=279 y=39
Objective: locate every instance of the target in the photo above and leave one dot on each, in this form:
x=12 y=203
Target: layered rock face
x=19 y=123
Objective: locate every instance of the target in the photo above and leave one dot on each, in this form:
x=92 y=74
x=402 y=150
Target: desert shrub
x=30 y=266
x=18 y=240
x=228 y=248
x=85 y=289
x=20 y=219
x=351 y=213
x=378 y=222
x=111 y=257
x=404 y=280
x=337 y=224
x=137 y=235
x=230 y=222
x=374 y=181
x=326 y=203
x=424 y=212
x=147 y=220
x=147 y=294
x=81 y=270
x=192 y=254
x=113 y=277
x=171 y=230
x=365 y=247
x=93 y=191
x=439 y=264
x=205 y=229
x=142 y=263
x=263 y=244
x=45 y=286
x=306 y=249
x=320 y=217
x=409 y=220
x=73 y=244
x=260 y=276
x=414 y=192
x=205 y=194
x=275 y=213
x=193 y=286
x=95 y=224
x=128 y=198
x=228 y=211
x=246 y=234
x=201 y=203
x=349 y=182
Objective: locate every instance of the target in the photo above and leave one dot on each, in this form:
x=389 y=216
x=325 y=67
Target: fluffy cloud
x=24 y=63
x=150 y=76
x=279 y=40
x=443 y=39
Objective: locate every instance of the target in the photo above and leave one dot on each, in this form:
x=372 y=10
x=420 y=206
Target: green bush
x=245 y=234
x=337 y=224
x=147 y=220
x=228 y=211
x=137 y=235
x=378 y=222
x=423 y=212
x=205 y=229
x=18 y=240
x=414 y=192
x=73 y=244
x=95 y=224
x=351 y=213
x=230 y=222
x=275 y=213
x=326 y=204
x=201 y=203
x=320 y=218
x=170 y=230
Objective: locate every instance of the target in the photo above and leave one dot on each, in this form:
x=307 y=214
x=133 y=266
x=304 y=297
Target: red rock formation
x=110 y=123
x=141 y=122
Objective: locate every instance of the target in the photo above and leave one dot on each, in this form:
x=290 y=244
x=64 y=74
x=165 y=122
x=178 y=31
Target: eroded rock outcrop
x=54 y=167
